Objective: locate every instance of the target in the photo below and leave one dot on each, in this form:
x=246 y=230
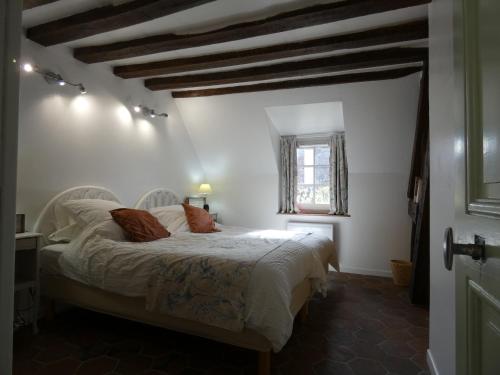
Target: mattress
x=49 y=259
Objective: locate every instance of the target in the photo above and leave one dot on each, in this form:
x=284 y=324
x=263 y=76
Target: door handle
x=476 y=250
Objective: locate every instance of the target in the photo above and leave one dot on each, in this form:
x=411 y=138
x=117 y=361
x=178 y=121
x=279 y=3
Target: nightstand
x=214 y=216
x=26 y=276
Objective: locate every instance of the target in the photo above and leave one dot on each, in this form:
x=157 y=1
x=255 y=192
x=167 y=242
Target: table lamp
x=204 y=190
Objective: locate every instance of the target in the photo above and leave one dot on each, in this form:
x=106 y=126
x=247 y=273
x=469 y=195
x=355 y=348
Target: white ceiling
x=307 y=118
x=211 y=16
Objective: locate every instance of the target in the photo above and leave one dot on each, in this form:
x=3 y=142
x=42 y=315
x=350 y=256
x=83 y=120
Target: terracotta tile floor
x=365 y=326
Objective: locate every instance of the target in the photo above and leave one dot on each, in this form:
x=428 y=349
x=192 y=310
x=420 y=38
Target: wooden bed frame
x=63 y=289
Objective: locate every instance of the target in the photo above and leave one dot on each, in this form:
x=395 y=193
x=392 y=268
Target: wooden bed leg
x=304 y=312
x=51 y=310
x=264 y=363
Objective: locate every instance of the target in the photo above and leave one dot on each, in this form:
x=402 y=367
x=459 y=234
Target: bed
x=57 y=286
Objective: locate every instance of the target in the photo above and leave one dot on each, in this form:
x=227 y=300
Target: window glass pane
x=322 y=176
x=308 y=175
x=313 y=175
x=308 y=156
x=322 y=155
x=300 y=175
x=304 y=194
x=322 y=195
x=300 y=156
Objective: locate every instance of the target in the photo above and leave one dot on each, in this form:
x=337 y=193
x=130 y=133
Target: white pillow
x=90 y=211
x=110 y=230
x=171 y=217
x=67 y=229
x=63 y=216
x=66 y=234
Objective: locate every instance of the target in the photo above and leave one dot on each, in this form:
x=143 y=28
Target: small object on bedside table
x=20 y=219
x=214 y=216
x=26 y=273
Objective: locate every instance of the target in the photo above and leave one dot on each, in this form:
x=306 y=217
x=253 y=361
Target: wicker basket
x=401 y=272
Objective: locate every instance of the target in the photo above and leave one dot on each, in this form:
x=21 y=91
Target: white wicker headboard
x=46 y=223
x=157 y=198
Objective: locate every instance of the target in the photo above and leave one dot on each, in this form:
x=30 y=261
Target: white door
x=477 y=199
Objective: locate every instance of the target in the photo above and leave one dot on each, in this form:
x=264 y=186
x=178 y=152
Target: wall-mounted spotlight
x=28 y=68
x=52 y=78
x=146 y=111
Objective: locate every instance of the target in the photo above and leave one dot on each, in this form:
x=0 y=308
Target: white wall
x=67 y=139
x=232 y=137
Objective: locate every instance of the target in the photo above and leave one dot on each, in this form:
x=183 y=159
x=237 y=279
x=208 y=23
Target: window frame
x=312 y=208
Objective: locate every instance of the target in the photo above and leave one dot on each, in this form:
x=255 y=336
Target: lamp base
x=206 y=207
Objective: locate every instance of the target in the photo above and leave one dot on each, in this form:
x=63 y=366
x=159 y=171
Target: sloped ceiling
x=304 y=119
x=234 y=137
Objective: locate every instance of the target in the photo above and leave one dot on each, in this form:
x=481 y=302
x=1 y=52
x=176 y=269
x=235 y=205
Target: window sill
x=313 y=214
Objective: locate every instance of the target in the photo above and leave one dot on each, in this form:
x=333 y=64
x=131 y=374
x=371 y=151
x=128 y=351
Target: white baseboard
x=366 y=271
x=430 y=362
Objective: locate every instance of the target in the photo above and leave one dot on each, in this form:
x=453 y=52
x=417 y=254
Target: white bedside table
x=214 y=216
x=26 y=276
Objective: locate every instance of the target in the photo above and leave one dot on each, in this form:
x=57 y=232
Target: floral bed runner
x=207 y=281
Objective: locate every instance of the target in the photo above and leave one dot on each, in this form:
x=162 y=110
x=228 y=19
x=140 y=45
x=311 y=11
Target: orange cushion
x=199 y=220
x=139 y=225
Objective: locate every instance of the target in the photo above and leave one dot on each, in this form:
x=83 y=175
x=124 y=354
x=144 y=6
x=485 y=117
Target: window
x=308 y=180
x=313 y=178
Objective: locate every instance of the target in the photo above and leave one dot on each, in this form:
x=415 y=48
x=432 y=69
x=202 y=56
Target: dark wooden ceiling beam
x=305 y=17
x=106 y=18
x=359 y=60
x=28 y=4
x=300 y=83
x=384 y=35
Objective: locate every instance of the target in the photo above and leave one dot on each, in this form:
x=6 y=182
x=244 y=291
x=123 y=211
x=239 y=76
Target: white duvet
x=99 y=257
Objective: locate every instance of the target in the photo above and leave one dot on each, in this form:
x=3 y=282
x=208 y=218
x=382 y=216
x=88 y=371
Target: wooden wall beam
x=359 y=60
x=106 y=18
x=28 y=4
x=384 y=35
x=305 y=17
x=299 y=83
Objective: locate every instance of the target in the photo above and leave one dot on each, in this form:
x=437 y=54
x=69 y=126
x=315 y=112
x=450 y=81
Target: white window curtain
x=338 y=175
x=288 y=174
